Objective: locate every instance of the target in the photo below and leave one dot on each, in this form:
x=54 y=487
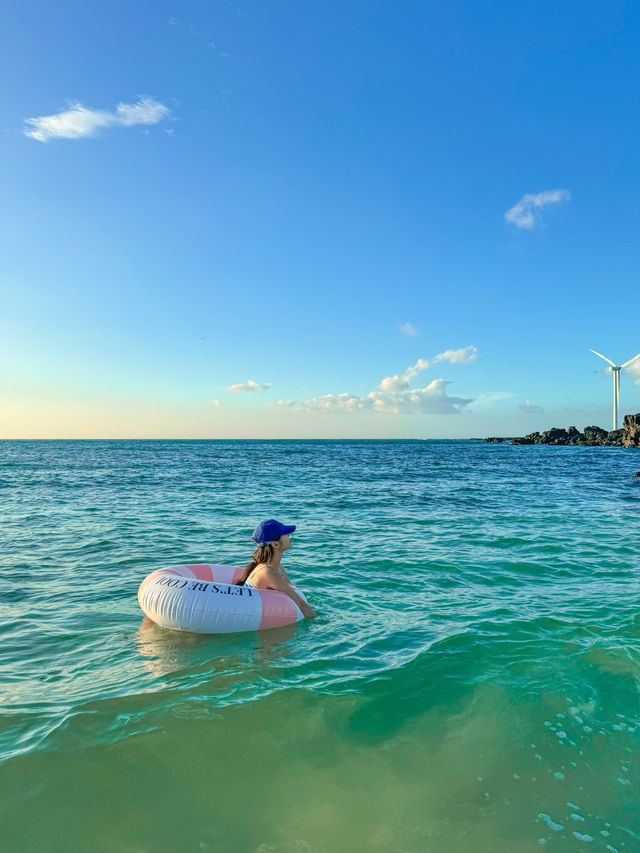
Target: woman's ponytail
x=263 y=554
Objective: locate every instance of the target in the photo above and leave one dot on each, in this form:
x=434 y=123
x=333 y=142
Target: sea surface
x=471 y=684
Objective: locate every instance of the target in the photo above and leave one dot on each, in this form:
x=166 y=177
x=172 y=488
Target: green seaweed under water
x=472 y=681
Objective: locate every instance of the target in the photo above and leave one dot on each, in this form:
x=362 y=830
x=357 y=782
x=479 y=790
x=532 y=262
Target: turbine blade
x=630 y=360
x=602 y=356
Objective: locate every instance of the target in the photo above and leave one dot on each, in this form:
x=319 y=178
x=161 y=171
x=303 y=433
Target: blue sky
x=312 y=198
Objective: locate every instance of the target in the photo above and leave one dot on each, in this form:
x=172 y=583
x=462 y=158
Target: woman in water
x=265 y=571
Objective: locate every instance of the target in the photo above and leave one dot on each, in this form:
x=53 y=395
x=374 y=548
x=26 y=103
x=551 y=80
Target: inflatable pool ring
x=206 y=599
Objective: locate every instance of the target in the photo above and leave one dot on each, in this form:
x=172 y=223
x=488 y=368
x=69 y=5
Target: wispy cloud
x=246 y=387
x=401 y=381
x=409 y=330
x=488 y=398
x=198 y=33
x=466 y=355
x=217 y=404
x=78 y=122
x=634 y=371
x=527 y=213
x=530 y=408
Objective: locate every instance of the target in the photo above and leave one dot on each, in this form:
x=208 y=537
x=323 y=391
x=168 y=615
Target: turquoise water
x=471 y=683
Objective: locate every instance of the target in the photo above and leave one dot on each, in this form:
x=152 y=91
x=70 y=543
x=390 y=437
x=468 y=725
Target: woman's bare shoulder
x=261 y=572
x=268 y=576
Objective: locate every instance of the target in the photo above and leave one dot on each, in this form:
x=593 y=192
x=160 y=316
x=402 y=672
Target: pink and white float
x=205 y=598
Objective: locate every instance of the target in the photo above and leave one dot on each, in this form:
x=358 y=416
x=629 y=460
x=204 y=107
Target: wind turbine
x=615 y=369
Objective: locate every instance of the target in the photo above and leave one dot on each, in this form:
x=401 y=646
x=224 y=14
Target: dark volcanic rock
x=614 y=438
x=575 y=437
x=595 y=435
x=631 y=436
x=532 y=438
x=554 y=436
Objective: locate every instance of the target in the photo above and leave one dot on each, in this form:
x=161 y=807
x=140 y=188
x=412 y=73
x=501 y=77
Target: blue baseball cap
x=270 y=531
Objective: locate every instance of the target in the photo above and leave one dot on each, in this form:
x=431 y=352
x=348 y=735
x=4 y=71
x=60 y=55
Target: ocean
x=471 y=683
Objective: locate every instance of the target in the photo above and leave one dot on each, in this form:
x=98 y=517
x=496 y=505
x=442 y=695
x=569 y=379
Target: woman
x=265 y=571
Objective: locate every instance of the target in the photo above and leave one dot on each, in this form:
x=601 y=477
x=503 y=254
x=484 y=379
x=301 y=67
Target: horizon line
x=295 y=438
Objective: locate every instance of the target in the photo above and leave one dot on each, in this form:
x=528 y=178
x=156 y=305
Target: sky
x=259 y=219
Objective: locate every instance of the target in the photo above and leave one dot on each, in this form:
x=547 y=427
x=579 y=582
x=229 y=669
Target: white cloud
x=393 y=384
x=250 y=385
x=400 y=382
x=217 y=404
x=634 y=371
x=526 y=213
x=409 y=330
x=431 y=400
x=78 y=121
x=466 y=355
x=336 y=403
x=530 y=408
x=394 y=394
x=420 y=365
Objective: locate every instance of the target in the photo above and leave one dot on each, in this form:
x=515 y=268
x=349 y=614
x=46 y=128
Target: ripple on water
x=478 y=621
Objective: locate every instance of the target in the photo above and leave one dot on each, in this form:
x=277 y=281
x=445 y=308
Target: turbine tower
x=615 y=369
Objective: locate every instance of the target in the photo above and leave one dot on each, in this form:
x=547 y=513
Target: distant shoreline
x=255 y=440
x=592 y=436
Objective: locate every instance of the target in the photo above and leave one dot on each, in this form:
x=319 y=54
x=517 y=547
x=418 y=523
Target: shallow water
x=472 y=681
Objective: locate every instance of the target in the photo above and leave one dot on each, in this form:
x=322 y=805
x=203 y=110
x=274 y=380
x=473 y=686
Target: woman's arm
x=277 y=582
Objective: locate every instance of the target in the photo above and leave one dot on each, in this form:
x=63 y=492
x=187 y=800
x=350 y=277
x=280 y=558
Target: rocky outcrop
x=532 y=438
x=614 y=438
x=593 y=436
x=631 y=436
x=556 y=436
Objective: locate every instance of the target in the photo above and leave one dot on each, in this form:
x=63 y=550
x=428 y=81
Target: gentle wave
x=474 y=667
